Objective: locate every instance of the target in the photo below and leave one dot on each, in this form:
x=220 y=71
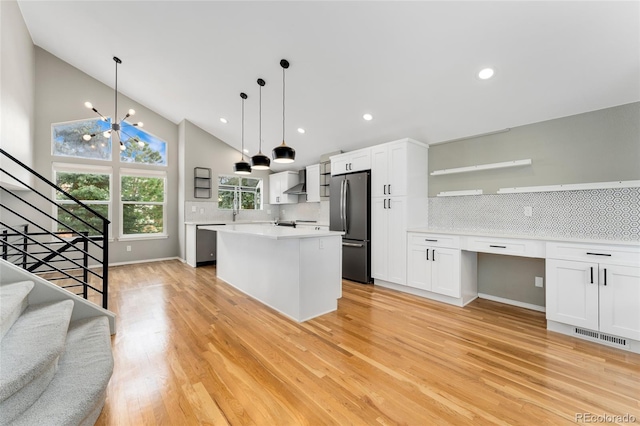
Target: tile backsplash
x=606 y=214
x=208 y=211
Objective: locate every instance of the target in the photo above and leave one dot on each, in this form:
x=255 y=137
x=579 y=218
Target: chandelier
x=117 y=127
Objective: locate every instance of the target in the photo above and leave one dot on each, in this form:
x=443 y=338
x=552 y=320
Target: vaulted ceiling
x=412 y=65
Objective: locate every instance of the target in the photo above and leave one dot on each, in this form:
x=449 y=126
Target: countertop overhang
x=272 y=231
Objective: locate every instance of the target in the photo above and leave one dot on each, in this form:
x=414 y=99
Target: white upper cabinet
x=350 y=162
x=399 y=168
x=280 y=182
x=313 y=183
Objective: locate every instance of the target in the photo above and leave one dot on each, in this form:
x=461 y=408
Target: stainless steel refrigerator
x=350 y=212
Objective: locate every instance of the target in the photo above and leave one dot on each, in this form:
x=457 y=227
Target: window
x=89 y=184
x=239 y=191
x=150 y=150
x=66 y=139
x=142 y=202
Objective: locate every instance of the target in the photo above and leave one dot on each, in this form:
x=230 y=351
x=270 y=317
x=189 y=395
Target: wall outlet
x=193 y=209
x=128 y=248
x=201 y=211
x=268 y=211
x=539 y=282
x=528 y=211
x=321 y=243
x=283 y=212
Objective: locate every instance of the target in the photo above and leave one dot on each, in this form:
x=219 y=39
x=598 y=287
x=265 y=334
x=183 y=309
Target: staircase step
x=29 y=355
x=13 y=301
x=77 y=392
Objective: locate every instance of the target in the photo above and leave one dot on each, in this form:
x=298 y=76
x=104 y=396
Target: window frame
x=57 y=167
x=150 y=174
x=237 y=191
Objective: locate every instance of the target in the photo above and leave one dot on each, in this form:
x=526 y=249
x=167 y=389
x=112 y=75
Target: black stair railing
x=55 y=255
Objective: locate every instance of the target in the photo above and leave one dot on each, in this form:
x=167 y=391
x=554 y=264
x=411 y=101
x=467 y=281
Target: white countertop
x=522 y=236
x=272 y=231
x=226 y=222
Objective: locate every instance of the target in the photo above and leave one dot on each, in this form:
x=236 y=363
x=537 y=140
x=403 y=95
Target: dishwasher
x=206 y=246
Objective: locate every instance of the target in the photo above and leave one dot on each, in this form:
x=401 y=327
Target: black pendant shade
x=283 y=153
x=260 y=161
x=242 y=167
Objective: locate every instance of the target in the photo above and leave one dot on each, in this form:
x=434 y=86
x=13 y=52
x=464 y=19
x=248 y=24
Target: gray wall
x=597 y=146
x=17 y=70
x=61 y=91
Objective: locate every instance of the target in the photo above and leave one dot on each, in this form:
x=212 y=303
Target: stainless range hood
x=301 y=187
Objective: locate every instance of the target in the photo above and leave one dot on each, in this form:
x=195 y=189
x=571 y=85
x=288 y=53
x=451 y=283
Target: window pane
x=248 y=201
x=225 y=199
x=67 y=139
x=71 y=222
x=137 y=188
x=83 y=186
x=142 y=219
x=142 y=147
x=229 y=180
x=250 y=182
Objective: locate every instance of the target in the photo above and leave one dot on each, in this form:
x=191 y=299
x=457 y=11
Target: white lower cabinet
x=434 y=269
x=597 y=296
x=389 y=239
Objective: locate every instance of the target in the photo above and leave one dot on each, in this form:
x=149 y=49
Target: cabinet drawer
x=509 y=246
x=625 y=255
x=434 y=240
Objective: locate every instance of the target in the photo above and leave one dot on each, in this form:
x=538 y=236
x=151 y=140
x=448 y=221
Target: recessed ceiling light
x=301 y=130
x=368 y=117
x=486 y=73
x=246 y=151
x=223 y=120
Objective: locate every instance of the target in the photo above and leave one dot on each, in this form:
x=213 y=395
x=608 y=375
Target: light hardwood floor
x=192 y=350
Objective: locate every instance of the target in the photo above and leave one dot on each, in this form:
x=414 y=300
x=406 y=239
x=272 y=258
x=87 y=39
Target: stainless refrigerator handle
x=352 y=245
x=346 y=196
x=342 y=204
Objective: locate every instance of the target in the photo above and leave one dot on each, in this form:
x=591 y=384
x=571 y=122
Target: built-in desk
x=592 y=289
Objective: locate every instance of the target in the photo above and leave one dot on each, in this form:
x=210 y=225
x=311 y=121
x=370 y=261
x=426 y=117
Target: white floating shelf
x=460 y=193
x=515 y=163
x=572 y=187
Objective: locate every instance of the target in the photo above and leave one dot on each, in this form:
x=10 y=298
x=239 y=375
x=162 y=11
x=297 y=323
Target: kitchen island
x=297 y=272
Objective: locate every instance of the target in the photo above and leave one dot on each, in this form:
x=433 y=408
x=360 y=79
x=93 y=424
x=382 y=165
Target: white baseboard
x=512 y=302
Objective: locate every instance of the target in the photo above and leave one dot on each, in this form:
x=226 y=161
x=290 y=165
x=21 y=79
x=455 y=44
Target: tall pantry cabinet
x=399 y=199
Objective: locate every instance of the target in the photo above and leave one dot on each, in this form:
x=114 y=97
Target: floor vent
x=611 y=340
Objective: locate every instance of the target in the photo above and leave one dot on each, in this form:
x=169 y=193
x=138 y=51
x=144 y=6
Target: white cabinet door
x=397 y=240
x=619 y=300
x=445 y=271
x=572 y=292
x=340 y=164
x=389 y=170
x=397 y=166
x=419 y=268
x=379 y=239
x=313 y=183
x=360 y=160
x=275 y=191
x=379 y=171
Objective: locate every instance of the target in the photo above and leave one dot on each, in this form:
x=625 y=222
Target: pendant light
x=260 y=161
x=116 y=127
x=242 y=167
x=283 y=153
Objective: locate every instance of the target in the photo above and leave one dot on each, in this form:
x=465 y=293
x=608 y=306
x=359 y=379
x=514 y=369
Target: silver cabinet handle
x=427 y=254
x=352 y=245
x=389 y=189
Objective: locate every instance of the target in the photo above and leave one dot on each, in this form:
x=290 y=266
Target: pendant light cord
x=116 y=111
x=260 y=121
x=242 y=133
x=283 y=104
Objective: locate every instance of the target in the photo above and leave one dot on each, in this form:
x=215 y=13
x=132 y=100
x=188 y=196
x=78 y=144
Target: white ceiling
x=412 y=65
